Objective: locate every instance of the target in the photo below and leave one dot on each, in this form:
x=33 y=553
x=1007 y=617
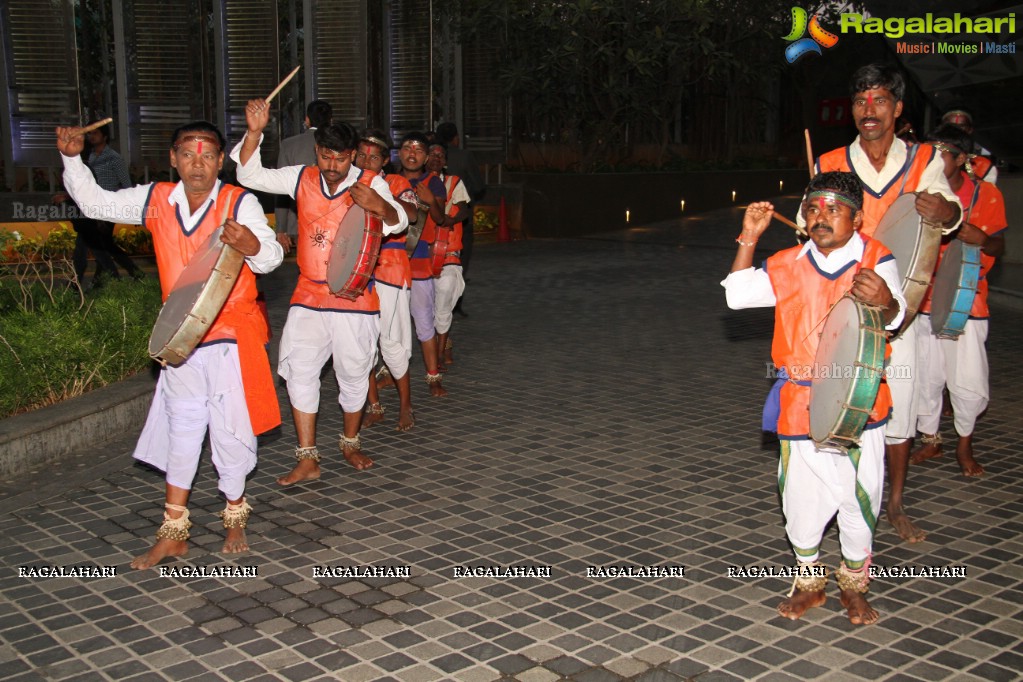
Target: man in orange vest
x=888 y=168
x=960 y=363
x=321 y=325
x=802 y=283
x=225 y=385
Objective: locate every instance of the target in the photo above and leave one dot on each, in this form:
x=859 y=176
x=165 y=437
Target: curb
x=51 y=433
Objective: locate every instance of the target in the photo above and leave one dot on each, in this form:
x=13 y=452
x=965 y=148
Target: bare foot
x=357 y=459
x=448 y=359
x=235 y=541
x=436 y=390
x=904 y=527
x=161 y=550
x=305 y=470
x=441 y=367
x=859 y=610
x=385 y=380
x=406 y=419
x=369 y=418
x=799 y=603
x=964 y=453
x=925 y=452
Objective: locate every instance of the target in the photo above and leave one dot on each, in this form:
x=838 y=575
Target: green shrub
x=62 y=347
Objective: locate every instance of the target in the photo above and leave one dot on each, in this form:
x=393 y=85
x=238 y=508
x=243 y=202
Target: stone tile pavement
x=603 y=411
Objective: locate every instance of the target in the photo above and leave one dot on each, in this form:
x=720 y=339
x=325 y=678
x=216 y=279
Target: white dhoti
x=961 y=365
x=422 y=308
x=203 y=392
x=310 y=338
x=448 y=288
x=395 y=328
x=901 y=375
x=817 y=484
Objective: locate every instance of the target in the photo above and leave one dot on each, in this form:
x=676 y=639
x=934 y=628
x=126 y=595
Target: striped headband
x=835 y=195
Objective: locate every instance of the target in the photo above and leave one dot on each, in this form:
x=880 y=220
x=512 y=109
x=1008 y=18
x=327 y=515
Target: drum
x=353 y=253
x=415 y=231
x=915 y=244
x=955 y=287
x=195 y=301
x=847 y=373
x=439 y=250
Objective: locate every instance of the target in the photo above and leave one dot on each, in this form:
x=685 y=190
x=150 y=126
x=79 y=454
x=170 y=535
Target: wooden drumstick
x=782 y=219
x=92 y=126
x=281 y=85
x=809 y=152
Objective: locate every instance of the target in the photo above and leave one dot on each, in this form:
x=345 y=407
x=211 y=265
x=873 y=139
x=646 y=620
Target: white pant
x=448 y=289
x=817 y=484
x=422 y=308
x=204 y=391
x=395 y=328
x=962 y=366
x=310 y=337
x=902 y=381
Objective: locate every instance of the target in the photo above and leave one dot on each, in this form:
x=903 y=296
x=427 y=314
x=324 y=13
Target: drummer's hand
x=367 y=198
x=257 y=115
x=68 y=142
x=424 y=193
x=971 y=234
x=755 y=220
x=936 y=208
x=284 y=239
x=869 y=287
x=241 y=238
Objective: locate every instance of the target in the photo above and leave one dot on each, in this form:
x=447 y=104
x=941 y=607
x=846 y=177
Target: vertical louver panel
x=484 y=103
x=247 y=62
x=160 y=72
x=409 y=52
x=336 y=49
x=40 y=75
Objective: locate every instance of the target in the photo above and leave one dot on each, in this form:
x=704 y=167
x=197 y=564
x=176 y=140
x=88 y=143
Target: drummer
x=393 y=276
x=319 y=324
x=225 y=385
x=431 y=193
x=449 y=285
x=888 y=168
x=803 y=283
x=961 y=364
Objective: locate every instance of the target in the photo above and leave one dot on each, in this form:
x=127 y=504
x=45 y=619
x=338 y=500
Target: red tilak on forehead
x=198 y=150
x=870 y=98
x=822 y=203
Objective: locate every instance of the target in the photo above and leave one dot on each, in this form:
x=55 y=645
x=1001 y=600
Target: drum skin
x=415 y=231
x=197 y=298
x=915 y=243
x=353 y=253
x=955 y=287
x=847 y=374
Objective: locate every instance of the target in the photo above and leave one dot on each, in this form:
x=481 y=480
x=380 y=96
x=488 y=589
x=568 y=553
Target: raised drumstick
x=782 y=219
x=809 y=151
x=92 y=126
x=284 y=82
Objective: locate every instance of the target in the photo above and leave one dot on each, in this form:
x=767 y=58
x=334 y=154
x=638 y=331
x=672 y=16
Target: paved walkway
x=603 y=411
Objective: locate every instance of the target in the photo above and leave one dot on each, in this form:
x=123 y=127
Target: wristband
x=738 y=240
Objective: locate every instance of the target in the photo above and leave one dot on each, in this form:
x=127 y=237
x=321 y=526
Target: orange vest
x=804 y=297
x=240 y=319
x=421 y=266
x=393 y=264
x=454 y=253
x=982 y=165
x=318 y=219
x=875 y=204
x=984 y=207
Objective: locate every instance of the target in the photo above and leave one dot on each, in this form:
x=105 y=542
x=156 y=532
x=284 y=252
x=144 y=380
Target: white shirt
x=285 y=180
x=933 y=179
x=125 y=206
x=751 y=288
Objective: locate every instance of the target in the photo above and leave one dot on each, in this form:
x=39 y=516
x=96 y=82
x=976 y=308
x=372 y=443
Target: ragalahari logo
x=801 y=46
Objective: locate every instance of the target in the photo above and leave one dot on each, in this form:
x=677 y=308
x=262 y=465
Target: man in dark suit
x=298 y=150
